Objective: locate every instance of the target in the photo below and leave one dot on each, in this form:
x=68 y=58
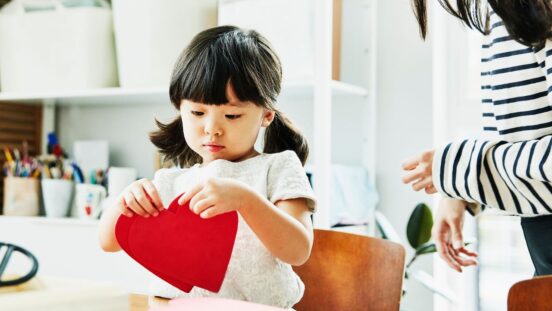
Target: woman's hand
x=420 y=172
x=447 y=234
x=216 y=196
x=140 y=197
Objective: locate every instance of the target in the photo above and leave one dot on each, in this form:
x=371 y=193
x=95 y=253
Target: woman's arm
x=514 y=177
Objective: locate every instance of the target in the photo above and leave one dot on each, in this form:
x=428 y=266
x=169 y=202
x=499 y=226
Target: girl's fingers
x=210 y=212
x=199 y=196
x=143 y=200
x=124 y=208
x=134 y=206
x=201 y=206
x=190 y=194
x=422 y=184
x=153 y=195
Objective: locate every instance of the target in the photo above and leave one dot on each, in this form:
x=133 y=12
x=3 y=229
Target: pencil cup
x=21 y=196
x=57 y=194
x=89 y=200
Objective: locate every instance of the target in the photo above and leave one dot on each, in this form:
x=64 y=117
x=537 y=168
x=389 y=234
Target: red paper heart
x=179 y=246
x=121 y=233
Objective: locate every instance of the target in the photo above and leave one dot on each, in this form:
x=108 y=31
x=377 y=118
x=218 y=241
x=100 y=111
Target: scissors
x=4 y=263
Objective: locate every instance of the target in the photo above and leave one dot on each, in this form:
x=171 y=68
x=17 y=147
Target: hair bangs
x=207 y=66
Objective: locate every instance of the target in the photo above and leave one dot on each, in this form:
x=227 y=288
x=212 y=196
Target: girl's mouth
x=213 y=147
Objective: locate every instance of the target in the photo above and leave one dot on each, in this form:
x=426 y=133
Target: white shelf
x=113 y=95
x=41 y=220
x=155 y=95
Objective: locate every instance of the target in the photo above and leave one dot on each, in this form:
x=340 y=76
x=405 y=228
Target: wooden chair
x=351 y=272
x=531 y=295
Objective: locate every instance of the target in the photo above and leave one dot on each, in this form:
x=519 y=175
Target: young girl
x=225 y=85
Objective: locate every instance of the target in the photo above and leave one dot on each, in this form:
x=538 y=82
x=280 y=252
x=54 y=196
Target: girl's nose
x=212 y=128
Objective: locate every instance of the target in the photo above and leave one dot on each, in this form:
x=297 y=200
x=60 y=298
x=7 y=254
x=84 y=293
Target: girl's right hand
x=140 y=197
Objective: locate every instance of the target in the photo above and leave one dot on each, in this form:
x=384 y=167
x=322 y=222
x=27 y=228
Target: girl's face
x=226 y=131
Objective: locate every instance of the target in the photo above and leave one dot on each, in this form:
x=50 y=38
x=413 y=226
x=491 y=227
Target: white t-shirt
x=253 y=274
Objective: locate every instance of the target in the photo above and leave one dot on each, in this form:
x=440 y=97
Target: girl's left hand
x=215 y=196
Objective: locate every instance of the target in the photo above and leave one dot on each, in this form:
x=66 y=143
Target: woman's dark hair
x=218 y=57
x=528 y=21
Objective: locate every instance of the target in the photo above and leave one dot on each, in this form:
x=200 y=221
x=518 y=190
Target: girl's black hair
x=215 y=58
x=528 y=21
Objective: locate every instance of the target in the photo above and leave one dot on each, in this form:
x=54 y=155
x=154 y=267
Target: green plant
x=418 y=233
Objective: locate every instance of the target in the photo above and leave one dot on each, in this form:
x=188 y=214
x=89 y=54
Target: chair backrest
x=351 y=272
x=531 y=295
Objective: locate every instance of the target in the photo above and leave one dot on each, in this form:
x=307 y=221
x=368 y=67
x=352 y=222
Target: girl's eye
x=233 y=116
x=197 y=113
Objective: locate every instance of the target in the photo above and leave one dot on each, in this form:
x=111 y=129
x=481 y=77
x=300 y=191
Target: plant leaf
x=418 y=230
x=426 y=248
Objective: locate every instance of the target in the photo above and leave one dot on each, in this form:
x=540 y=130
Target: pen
x=16 y=154
x=36 y=173
x=77 y=173
x=25 y=151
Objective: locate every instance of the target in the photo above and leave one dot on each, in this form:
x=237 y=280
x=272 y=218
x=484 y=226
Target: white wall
x=125 y=126
x=404 y=121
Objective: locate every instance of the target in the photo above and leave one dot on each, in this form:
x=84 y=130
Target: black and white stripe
x=511 y=171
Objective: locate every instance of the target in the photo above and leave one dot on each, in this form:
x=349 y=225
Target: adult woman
x=512 y=170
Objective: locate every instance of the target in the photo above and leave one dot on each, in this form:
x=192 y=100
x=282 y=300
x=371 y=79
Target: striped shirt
x=511 y=171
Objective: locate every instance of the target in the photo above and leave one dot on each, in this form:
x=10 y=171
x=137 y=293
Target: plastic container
x=150 y=35
x=48 y=46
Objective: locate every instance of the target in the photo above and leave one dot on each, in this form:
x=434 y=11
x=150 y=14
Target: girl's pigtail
x=282 y=135
x=169 y=138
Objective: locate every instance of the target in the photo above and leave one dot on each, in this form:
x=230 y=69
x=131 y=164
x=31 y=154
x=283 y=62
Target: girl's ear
x=268 y=117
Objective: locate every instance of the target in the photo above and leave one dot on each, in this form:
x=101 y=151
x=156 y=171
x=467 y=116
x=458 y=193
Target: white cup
x=88 y=200
x=118 y=178
x=57 y=194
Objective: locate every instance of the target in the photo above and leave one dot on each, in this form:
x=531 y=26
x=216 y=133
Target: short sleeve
x=287 y=180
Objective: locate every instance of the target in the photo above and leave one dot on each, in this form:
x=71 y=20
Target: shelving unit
x=321 y=94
